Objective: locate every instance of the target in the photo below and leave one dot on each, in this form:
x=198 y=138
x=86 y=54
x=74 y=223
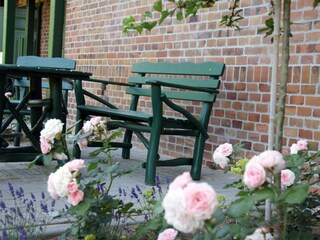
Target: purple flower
x=43 y=196
x=44 y=208
x=5 y=235
x=19 y=213
x=23 y=235
x=2 y=205
x=139 y=189
x=134 y=194
x=11 y=189
x=124 y=192
x=33 y=197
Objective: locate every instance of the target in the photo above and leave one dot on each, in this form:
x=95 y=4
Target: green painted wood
x=29 y=29
x=163 y=83
x=181 y=68
x=192 y=82
x=115 y=113
x=8 y=31
x=189 y=96
x=35 y=61
x=56 y=28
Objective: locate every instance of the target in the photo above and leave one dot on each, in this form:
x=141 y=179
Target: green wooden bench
x=164 y=83
x=22 y=94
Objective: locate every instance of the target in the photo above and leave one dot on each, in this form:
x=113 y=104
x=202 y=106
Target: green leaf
x=315 y=3
x=224 y=231
x=180 y=16
x=164 y=15
x=82 y=208
x=92 y=166
x=295 y=235
x=158 y=6
x=113 y=168
x=128 y=20
x=240 y=207
x=296 y=194
x=37 y=159
x=265 y=193
x=147 y=14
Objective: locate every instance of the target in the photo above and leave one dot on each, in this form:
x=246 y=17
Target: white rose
x=58 y=182
x=294 y=149
x=220 y=159
x=52 y=128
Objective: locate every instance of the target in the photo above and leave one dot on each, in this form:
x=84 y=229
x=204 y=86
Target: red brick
x=304 y=111
x=297 y=100
x=305 y=134
x=254 y=117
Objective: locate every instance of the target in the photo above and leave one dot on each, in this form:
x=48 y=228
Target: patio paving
x=34 y=180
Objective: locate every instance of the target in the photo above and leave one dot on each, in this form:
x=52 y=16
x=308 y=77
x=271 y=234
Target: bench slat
x=181 y=68
x=192 y=82
x=114 y=113
x=192 y=96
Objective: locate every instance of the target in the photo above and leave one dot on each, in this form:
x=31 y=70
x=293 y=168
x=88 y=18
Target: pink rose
x=45 y=145
x=83 y=143
x=95 y=120
x=226 y=149
x=75 y=164
x=302 y=145
x=168 y=234
x=72 y=187
x=272 y=159
x=201 y=200
x=75 y=197
x=60 y=156
x=87 y=127
x=287 y=177
x=181 y=181
x=254 y=174
x=8 y=94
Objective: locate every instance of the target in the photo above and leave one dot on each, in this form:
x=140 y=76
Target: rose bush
x=285 y=180
x=85 y=185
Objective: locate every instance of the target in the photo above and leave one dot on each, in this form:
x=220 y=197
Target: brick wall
x=94 y=38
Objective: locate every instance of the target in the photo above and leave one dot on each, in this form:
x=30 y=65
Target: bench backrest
x=22 y=85
x=190 y=76
x=35 y=61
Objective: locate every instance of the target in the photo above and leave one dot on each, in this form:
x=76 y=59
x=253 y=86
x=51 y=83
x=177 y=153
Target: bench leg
x=152 y=156
x=16 y=141
x=79 y=125
x=197 y=157
x=126 y=139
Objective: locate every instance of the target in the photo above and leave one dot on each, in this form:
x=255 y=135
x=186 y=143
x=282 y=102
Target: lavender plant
x=146 y=213
x=24 y=216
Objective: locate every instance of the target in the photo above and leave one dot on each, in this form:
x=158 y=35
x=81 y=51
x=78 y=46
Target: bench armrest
x=107 y=82
x=182 y=86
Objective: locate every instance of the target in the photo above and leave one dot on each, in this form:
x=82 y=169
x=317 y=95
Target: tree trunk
x=284 y=75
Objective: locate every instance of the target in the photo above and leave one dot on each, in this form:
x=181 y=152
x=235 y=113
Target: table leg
x=56 y=96
x=3 y=142
x=35 y=112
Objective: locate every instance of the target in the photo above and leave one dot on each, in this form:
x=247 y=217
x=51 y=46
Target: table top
x=16 y=70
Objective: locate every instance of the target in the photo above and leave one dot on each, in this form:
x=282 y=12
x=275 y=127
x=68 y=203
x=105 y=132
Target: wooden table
x=35 y=74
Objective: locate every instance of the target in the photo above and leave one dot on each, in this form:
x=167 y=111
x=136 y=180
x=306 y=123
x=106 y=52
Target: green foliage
x=181 y=9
